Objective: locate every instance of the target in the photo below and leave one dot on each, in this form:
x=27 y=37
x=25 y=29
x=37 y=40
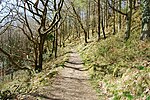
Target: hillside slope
x=120 y=69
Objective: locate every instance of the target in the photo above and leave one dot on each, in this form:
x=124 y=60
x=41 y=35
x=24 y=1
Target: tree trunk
x=76 y=29
x=119 y=17
x=63 y=35
x=128 y=20
x=3 y=61
x=114 y=19
x=134 y=4
x=53 y=49
x=41 y=46
x=145 y=32
x=98 y=6
x=102 y=22
x=88 y=19
x=93 y=20
x=79 y=20
x=3 y=70
x=36 y=56
x=78 y=25
x=10 y=52
x=60 y=36
x=56 y=42
x=106 y=14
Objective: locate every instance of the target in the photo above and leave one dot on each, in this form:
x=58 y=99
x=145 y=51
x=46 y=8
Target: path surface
x=72 y=83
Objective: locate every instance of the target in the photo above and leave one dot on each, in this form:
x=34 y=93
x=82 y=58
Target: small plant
x=148 y=98
x=140 y=67
x=128 y=95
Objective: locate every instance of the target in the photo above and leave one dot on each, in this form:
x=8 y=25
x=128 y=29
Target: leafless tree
x=46 y=14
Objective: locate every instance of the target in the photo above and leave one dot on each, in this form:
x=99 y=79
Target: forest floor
x=71 y=83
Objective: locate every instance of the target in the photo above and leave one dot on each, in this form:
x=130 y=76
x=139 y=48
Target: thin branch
x=116 y=9
x=31 y=11
x=4 y=17
x=6 y=26
x=26 y=20
x=57 y=14
x=43 y=18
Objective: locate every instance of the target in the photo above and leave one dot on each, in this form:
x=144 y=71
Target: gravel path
x=72 y=83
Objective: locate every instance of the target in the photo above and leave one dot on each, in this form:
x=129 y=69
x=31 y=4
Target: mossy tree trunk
x=145 y=33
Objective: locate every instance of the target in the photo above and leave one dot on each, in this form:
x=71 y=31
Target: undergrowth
x=120 y=69
x=25 y=83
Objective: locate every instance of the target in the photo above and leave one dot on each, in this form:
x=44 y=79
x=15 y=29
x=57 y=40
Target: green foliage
x=119 y=69
x=128 y=95
x=148 y=98
x=50 y=37
x=116 y=96
x=103 y=50
x=62 y=64
x=140 y=67
x=51 y=75
x=80 y=3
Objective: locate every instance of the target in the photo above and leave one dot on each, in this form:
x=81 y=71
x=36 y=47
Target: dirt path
x=72 y=83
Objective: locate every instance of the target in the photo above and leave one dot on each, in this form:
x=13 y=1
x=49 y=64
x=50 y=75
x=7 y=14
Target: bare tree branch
x=26 y=20
x=57 y=14
x=116 y=9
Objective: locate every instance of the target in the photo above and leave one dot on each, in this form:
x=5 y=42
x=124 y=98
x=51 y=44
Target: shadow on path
x=79 y=69
x=71 y=83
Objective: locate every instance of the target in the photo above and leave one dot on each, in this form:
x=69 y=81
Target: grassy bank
x=120 y=69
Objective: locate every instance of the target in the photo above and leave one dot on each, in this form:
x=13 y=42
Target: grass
x=120 y=70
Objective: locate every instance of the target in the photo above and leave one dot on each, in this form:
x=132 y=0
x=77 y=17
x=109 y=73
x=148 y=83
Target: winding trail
x=71 y=83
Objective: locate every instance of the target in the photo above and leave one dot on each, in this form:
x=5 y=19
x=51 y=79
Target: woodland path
x=71 y=83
